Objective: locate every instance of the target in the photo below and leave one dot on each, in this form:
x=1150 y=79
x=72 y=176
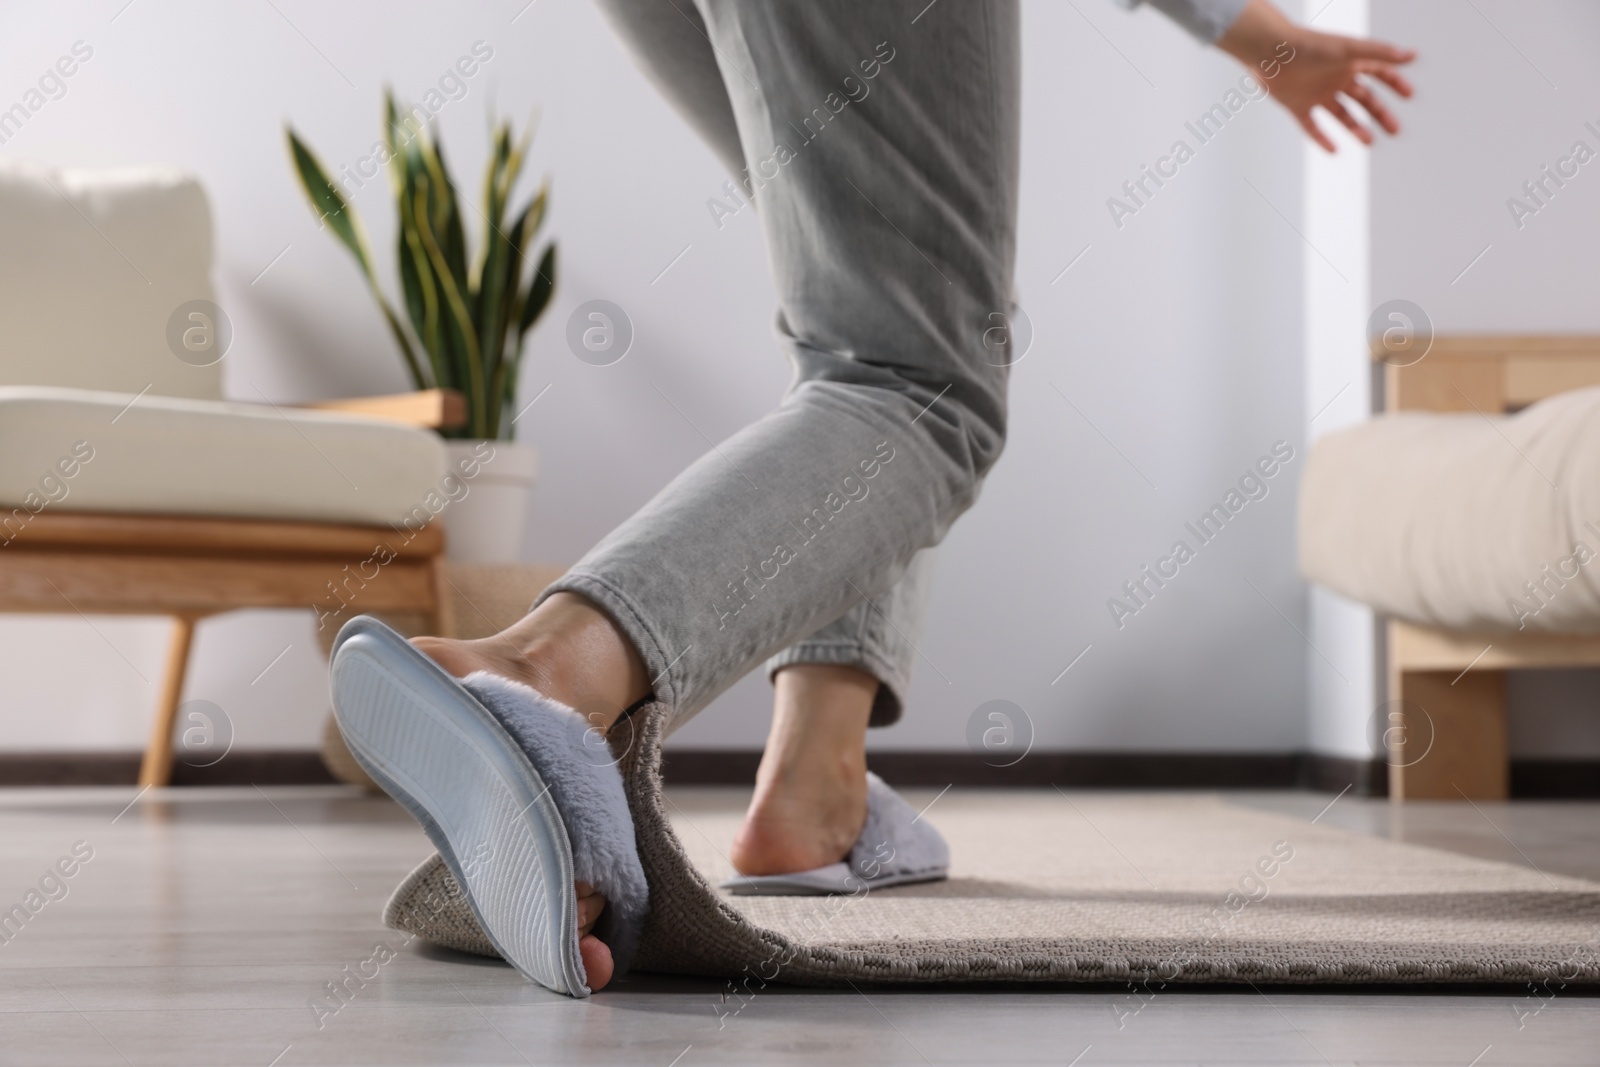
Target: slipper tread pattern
x=497 y=831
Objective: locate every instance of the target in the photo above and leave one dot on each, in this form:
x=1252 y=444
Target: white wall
x=1177 y=338
x=1342 y=674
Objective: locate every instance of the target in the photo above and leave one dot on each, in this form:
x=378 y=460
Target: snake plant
x=468 y=319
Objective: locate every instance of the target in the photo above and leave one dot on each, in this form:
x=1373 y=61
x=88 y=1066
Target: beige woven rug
x=1073 y=888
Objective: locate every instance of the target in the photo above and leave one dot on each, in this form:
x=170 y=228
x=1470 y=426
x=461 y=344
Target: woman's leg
x=883 y=156
x=884 y=163
x=898 y=410
x=884 y=167
x=811 y=789
x=810 y=799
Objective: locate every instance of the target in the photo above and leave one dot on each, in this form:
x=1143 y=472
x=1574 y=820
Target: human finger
x=1388 y=76
x=1373 y=106
x=1308 y=124
x=1338 y=111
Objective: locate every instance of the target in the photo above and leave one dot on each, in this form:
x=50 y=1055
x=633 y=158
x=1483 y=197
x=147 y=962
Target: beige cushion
x=163 y=455
x=93 y=264
x=1444 y=519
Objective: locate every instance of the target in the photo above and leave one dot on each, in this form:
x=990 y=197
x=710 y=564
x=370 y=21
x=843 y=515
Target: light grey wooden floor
x=206 y=921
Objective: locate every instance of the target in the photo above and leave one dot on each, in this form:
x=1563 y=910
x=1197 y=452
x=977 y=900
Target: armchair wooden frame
x=1458 y=679
x=189 y=567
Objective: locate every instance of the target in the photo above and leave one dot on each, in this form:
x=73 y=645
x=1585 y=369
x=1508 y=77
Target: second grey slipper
x=895 y=848
x=510 y=787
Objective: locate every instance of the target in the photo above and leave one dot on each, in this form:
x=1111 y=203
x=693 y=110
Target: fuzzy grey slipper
x=512 y=789
x=895 y=848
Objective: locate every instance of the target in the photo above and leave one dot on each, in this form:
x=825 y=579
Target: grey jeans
x=879 y=141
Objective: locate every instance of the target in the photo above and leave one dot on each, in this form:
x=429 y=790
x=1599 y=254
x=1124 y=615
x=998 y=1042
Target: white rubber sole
x=435 y=749
x=833 y=880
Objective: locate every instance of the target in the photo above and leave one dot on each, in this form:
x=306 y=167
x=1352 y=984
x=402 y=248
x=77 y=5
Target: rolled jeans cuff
x=893 y=678
x=877 y=636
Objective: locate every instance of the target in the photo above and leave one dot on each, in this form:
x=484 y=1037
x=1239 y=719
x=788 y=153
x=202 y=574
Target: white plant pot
x=486 y=523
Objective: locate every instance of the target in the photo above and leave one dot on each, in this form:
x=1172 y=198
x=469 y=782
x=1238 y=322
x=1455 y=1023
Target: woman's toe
x=597 y=962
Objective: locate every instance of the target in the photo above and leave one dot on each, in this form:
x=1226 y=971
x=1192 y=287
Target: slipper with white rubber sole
x=895 y=848
x=520 y=796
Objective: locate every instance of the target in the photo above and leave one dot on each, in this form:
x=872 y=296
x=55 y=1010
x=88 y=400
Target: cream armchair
x=129 y=485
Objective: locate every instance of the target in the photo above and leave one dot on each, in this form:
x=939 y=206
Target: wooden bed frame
x=1458 y=679
x=189 y=567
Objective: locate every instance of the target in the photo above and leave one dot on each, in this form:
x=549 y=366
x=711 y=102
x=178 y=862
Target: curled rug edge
x=692 y=930
x=689 y=930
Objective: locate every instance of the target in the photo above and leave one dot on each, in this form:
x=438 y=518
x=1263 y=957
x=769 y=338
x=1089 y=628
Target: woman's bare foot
x=571 y=652
x=811 y=789
x=597 y=963
x=566 y=648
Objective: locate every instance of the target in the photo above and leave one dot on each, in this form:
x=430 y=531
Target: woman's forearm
x=1256 y=34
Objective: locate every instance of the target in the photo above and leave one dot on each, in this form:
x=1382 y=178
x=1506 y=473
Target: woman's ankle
x=819 y=720
x=567 y=649
x=582 y=658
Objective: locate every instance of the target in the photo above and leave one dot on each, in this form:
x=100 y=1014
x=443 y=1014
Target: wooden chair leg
x=156 y=769
x=444 y=594
x=1457 y=745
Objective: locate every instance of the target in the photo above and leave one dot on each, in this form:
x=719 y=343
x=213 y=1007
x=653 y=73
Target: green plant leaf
x=494 y=199
x=411 y=282
x=460 y=318
x=444 y=217
x=446 y=351
x=540 y=287
x=533 y=303
x=332 y=210
x=391 y=119
x=422 y=294
x=499 y=276
x=469 y=315
x=521 y=235
x=328 y=202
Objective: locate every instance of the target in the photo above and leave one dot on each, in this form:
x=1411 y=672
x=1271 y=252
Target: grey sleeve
x=1206 y=20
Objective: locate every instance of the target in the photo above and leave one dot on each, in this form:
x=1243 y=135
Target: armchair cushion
x=93 y=266
x=92 y=451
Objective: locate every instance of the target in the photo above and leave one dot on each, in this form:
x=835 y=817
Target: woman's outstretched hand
x=1304 y=69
